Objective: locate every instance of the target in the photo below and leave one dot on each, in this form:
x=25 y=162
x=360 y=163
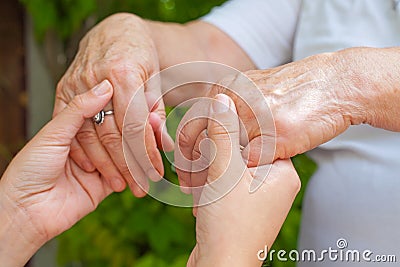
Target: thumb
x=67 y=123
x=223 y=130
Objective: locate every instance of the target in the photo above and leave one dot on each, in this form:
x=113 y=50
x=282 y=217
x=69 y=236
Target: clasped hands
x=44 y=192
x=71 y=165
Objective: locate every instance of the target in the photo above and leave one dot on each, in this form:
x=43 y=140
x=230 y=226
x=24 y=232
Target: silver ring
x=99 y=117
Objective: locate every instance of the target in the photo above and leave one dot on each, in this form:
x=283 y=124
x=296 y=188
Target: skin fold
x=309 y=101
x=44 y=192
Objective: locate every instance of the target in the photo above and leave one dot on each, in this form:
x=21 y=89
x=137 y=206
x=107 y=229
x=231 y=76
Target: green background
x=124 y=230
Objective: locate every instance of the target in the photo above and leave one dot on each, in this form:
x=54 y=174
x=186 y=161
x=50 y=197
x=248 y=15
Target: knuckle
x=199 y=161
x=133 y=129
x=88 y=77
x=111 y=141
x=106 y=167
x=215 y=89
x=121 y=68
x=60 y=86
x=153 y=155
x=63 y=93
x=196 y=154
x=74 y=150
x=124 y=170
x=77 y=103
x=184 y=140
x=87 y=136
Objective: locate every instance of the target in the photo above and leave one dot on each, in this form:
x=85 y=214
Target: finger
x=137 y=132
x=163 y=139
x=200 y=162
x=110 y=137
x=76 y=151
x=223 y=130
x=67 y=123
x=190 y=127
x=95 y=150
x=139 y=185
x=92 y=182
x=157 y=120
x=282 y=180
x=78 y=155
x=259 y=151
x=227 y=167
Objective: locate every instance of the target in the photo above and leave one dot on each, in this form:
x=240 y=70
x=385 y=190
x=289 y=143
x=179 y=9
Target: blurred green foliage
x=125 y=231
x=65 y=17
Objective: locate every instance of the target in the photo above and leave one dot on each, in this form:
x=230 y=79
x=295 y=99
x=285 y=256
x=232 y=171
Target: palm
x=75 y=194
x=59 y=193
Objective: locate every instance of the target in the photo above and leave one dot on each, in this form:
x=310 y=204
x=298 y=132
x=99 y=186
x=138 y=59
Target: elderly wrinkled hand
x=308 y=103
x=121 y=50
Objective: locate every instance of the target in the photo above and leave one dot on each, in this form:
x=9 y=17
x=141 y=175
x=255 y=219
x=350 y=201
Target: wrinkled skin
x=310 y=102
x=127 y=63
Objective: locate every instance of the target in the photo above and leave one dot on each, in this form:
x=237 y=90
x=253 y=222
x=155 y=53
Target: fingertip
x=163 y=139
x=88 y=166
x=222 y=103
x=183 y=184
x=194 y=211
x=138 y=192
x=185 y=189
x=153 y=175
x=102 y=89
x=168 y=144
x=79 y=156
x=118 y=184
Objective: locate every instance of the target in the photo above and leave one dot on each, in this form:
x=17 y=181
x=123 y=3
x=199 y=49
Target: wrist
x=171 y=53
x=19 y=240
x=371 y=82
x=346 y=80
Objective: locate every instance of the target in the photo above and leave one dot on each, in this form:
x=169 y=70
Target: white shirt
x=355 y=192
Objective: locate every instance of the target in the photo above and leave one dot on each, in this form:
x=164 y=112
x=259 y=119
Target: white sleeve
x=264 y=29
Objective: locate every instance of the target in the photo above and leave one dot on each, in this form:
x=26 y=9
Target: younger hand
x=44 y=192
x=236 y=224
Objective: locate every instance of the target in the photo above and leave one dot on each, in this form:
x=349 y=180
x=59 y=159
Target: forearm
x=372 y=80
x=195 y=41
x=17 y=238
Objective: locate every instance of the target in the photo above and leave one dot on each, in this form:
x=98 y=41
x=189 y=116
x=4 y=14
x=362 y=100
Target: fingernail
x=186 y=190
x=139 y=192
x=220 y=104
x=117 y=184
x=102 y=88
x=88 y=166
x=153 y=175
